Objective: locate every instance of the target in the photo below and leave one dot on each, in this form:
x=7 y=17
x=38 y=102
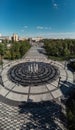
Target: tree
x=60 y=48
x=2 y=51
x=14 y=50
x=24 y=47
x=18 y=49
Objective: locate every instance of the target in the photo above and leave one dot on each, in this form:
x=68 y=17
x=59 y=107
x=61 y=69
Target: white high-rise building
x=15 y=37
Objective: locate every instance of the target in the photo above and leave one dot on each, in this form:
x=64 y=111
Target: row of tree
x=15 y=51
x=60 y=48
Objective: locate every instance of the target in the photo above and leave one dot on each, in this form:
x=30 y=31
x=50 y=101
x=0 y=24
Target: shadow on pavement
x=43 y=116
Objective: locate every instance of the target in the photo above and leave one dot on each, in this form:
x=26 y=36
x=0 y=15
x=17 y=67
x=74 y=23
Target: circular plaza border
x=16 y=92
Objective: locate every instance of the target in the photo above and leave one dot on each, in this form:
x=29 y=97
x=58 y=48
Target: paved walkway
x=16 y=114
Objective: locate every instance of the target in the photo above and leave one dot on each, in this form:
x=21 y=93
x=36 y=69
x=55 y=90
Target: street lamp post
x=73 y=77
x=59 y=81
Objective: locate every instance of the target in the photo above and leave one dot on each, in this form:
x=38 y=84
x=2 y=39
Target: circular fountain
x=33 y=73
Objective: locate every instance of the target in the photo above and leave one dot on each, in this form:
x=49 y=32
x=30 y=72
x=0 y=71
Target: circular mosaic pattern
x=33 y=73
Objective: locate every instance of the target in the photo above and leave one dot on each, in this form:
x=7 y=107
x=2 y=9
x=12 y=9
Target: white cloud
x=23 y=29
x=60 y=35
x=25 y=26
x=55 y=5
x=40 y=27
x=47 y=28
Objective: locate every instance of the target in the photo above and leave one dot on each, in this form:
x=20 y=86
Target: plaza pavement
x=14 y=116
x=44 y=92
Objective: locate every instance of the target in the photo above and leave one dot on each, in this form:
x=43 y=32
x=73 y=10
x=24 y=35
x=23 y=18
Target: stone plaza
x=31 y=90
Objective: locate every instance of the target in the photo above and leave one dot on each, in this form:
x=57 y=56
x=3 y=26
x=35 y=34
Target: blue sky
x=47 y=18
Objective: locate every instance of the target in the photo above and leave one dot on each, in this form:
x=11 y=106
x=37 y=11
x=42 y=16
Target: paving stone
x=41 y=115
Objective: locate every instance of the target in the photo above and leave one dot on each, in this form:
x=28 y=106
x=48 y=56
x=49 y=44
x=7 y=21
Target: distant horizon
x=52 y=36
x=32 y=18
